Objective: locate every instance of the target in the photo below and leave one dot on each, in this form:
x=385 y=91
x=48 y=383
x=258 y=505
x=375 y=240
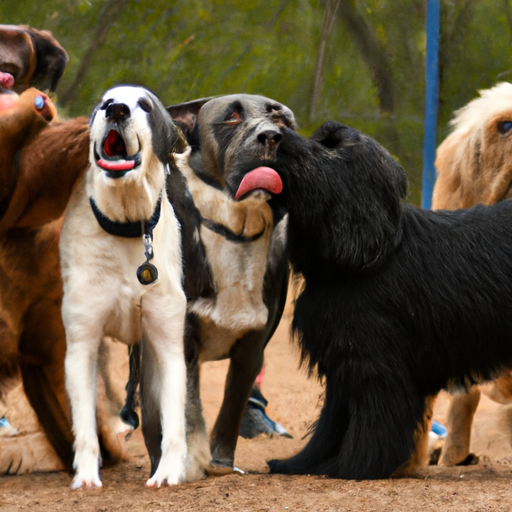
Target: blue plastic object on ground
x=439 y=429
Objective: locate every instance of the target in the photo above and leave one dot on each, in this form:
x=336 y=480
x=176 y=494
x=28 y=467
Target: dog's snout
x=117 y=112
x=270 y=137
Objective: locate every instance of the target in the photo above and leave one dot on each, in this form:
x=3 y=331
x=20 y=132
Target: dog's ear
x=51 y=59
x=357 y=198
x=453 y=155
x=33 y=57
x=331 y=134
x=185 y=115
x=181 y=143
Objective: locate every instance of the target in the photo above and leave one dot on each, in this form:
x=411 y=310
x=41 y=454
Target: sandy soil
x=294 y=402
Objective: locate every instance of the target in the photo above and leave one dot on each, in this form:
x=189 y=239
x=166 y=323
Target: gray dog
x=236 y=270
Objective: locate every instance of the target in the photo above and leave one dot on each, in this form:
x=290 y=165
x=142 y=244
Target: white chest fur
x=238 y=268
x=99 y=269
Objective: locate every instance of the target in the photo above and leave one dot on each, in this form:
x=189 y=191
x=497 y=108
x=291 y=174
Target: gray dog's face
x=238 y=131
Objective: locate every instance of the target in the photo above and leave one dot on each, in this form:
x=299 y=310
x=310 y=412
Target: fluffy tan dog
x=474 y=166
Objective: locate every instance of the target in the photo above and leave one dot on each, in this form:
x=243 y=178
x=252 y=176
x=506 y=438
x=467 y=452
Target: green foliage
x=188 y=49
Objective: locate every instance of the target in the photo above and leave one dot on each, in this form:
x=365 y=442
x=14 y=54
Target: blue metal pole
x=431 y=101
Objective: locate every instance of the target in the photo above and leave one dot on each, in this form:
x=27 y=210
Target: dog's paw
x=198 y=456
x=170 y=470
x=214 y=469
x=28 y=453
x=81 y=481
x=163 y=478
x=87 y=474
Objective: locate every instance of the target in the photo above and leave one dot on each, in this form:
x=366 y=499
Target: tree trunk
x=378 y=61
x=107 y=17
x=331 y=8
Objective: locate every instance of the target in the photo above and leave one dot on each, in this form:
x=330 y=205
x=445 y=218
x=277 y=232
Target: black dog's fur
x=398 y=302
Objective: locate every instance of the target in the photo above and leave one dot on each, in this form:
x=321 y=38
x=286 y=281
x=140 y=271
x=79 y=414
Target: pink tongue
x=260 y=178
x=6 y=80
x=125 y=165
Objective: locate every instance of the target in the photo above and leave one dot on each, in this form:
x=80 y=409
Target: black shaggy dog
x=398 y=302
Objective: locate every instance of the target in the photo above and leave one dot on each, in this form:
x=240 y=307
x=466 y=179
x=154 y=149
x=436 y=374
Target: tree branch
x=329 y=17
x=107 y=17
x=376 y=56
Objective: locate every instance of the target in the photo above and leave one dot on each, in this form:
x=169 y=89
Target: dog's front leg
x=246 y=362
x=81 y=367
x=163 y=386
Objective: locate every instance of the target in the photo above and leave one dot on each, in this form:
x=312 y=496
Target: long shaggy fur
x=398 y=302
x=473 y=162
x=473 y=165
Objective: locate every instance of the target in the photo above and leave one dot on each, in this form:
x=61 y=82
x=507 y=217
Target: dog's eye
x=106 y=104
x=504 y=126
x=274 y=108
x=233 y=119
x=145 y=104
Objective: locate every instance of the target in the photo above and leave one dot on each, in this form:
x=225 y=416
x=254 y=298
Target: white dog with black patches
x=122 y=273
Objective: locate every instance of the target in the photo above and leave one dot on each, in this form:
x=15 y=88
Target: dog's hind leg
x=460 y=419
x=367 y=433
x=42 y=348
x=44 y=388
x=319 y=455
x=128 y=414
x=245 y=364
x=420 y=456
x=163 y=385
x=150 y=405
x=385 y=416
x=198 y=444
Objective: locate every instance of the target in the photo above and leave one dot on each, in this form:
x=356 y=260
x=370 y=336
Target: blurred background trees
x=357 y=61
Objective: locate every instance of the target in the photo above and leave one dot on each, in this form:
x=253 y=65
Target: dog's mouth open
x=261 y=178
x=113 y=157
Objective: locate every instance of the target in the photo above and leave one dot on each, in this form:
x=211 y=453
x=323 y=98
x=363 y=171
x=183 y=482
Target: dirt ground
x=294 y=401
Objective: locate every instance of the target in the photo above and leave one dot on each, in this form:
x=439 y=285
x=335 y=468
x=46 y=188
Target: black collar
x=127 y=229
x=224 y=231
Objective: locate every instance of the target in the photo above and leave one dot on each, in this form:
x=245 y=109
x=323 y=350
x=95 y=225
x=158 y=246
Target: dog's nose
x=270 y=137
x=117 y=112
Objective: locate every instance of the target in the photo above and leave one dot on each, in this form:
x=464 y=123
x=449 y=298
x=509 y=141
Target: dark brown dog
x=33 y=57
x=39 y=165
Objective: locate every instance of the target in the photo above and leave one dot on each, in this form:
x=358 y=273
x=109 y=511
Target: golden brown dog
x=39 y=164
x=474 y=166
